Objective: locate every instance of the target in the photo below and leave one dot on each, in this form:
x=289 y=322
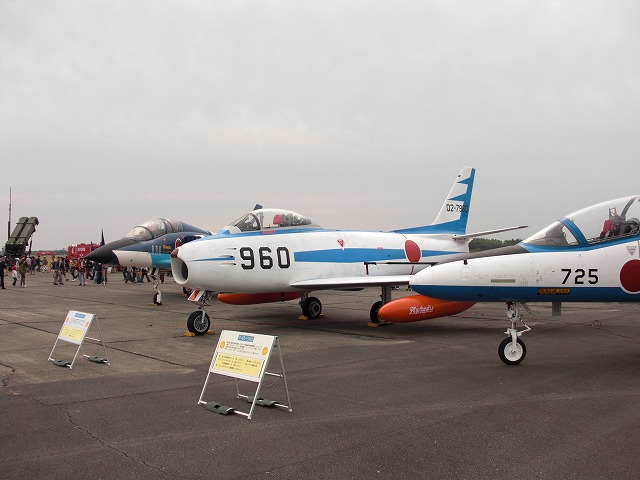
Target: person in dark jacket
x=3 y=266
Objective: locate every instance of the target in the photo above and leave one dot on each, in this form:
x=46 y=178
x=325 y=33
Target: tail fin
x=455 y=209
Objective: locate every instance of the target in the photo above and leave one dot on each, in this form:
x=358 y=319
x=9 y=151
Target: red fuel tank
x=419 y=307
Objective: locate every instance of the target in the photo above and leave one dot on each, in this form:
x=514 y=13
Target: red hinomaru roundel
x=630 y=276
x=412 y=250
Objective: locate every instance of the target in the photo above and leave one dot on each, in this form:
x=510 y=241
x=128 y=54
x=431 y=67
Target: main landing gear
x=199 y=322
x=512 y=350
x=311 y=306
x=385 y=297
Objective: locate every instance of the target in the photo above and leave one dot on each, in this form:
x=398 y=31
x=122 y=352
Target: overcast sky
x=358 y=114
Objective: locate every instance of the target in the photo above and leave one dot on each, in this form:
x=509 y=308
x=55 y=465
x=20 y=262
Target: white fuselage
x=609 y=272
x=274 y=261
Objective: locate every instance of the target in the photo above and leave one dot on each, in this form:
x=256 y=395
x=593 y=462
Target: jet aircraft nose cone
x=104 y=254
x=101 y=255
x=174 y=253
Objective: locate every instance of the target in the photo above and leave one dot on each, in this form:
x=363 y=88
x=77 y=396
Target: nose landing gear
x=199 y=322
x=512 y=350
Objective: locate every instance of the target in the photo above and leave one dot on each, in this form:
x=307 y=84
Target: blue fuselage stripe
x=526 y=294
x=348 y=255
x=358 y=255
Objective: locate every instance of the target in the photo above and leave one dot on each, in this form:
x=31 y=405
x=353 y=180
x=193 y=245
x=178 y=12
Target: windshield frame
x=611 y=220
x=154 y=228
x=269 y=220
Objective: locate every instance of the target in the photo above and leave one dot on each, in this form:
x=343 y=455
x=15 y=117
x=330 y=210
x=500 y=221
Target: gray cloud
x=358 y=114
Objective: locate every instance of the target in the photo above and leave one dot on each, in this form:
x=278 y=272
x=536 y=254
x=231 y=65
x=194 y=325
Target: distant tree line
x=480 y=244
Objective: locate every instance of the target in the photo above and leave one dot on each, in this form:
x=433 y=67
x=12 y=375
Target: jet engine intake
x=179 y=268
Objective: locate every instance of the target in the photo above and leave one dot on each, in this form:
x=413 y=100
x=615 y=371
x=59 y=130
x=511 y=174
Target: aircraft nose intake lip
x=184 y=271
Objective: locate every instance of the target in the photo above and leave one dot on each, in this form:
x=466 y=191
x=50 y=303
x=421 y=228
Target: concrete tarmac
x=421 y=400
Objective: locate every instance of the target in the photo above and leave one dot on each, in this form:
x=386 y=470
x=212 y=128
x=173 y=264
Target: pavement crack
x=150 y=357
x=5 y=378
x=116 y=449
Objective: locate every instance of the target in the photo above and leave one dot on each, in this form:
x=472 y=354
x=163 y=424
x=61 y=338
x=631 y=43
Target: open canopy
x=269 y=219
x=604 y=221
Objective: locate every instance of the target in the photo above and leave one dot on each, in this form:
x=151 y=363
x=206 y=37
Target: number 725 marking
x=580 y=275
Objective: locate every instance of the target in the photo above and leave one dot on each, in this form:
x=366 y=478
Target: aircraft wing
x=345 y=283
x=488 y=232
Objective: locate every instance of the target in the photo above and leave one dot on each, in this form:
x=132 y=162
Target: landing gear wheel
x=373 y=314
x=198 y=325
x=312 y=308
x=510 y=354
x=157 y=298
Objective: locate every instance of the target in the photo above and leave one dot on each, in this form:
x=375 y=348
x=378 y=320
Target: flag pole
x=9 y=222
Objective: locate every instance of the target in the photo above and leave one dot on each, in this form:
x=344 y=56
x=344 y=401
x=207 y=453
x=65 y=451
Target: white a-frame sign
x=74 y=330
x=245 y=356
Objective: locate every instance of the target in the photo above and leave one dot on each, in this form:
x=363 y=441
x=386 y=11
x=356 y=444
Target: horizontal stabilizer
x=488 y=232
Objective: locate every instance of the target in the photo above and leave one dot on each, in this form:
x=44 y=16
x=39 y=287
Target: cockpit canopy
x=155 y=228
x=269 y=219
x=613 y=219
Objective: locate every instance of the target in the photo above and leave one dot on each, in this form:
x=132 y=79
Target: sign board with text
x=74 y=330
x=75 y=327
x=242 y=355
x=245 y=356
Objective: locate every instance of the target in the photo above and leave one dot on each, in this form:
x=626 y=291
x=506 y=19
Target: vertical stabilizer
x=455 y=209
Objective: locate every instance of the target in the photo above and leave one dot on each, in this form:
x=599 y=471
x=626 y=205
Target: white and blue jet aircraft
x=147 y=245
x=592 y=255
x=270 y=255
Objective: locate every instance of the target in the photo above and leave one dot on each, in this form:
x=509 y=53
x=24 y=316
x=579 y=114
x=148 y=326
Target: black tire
x=312 y=308
x=373 y=314
x=196 y=324
x=509 y=357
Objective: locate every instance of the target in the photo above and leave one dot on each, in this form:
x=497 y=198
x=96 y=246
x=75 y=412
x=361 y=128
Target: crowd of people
x=19 y=268
x=135 y=274
x=79 y=269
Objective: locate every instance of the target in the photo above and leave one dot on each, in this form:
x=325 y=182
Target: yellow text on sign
x=72 y=334
x=236 y=364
